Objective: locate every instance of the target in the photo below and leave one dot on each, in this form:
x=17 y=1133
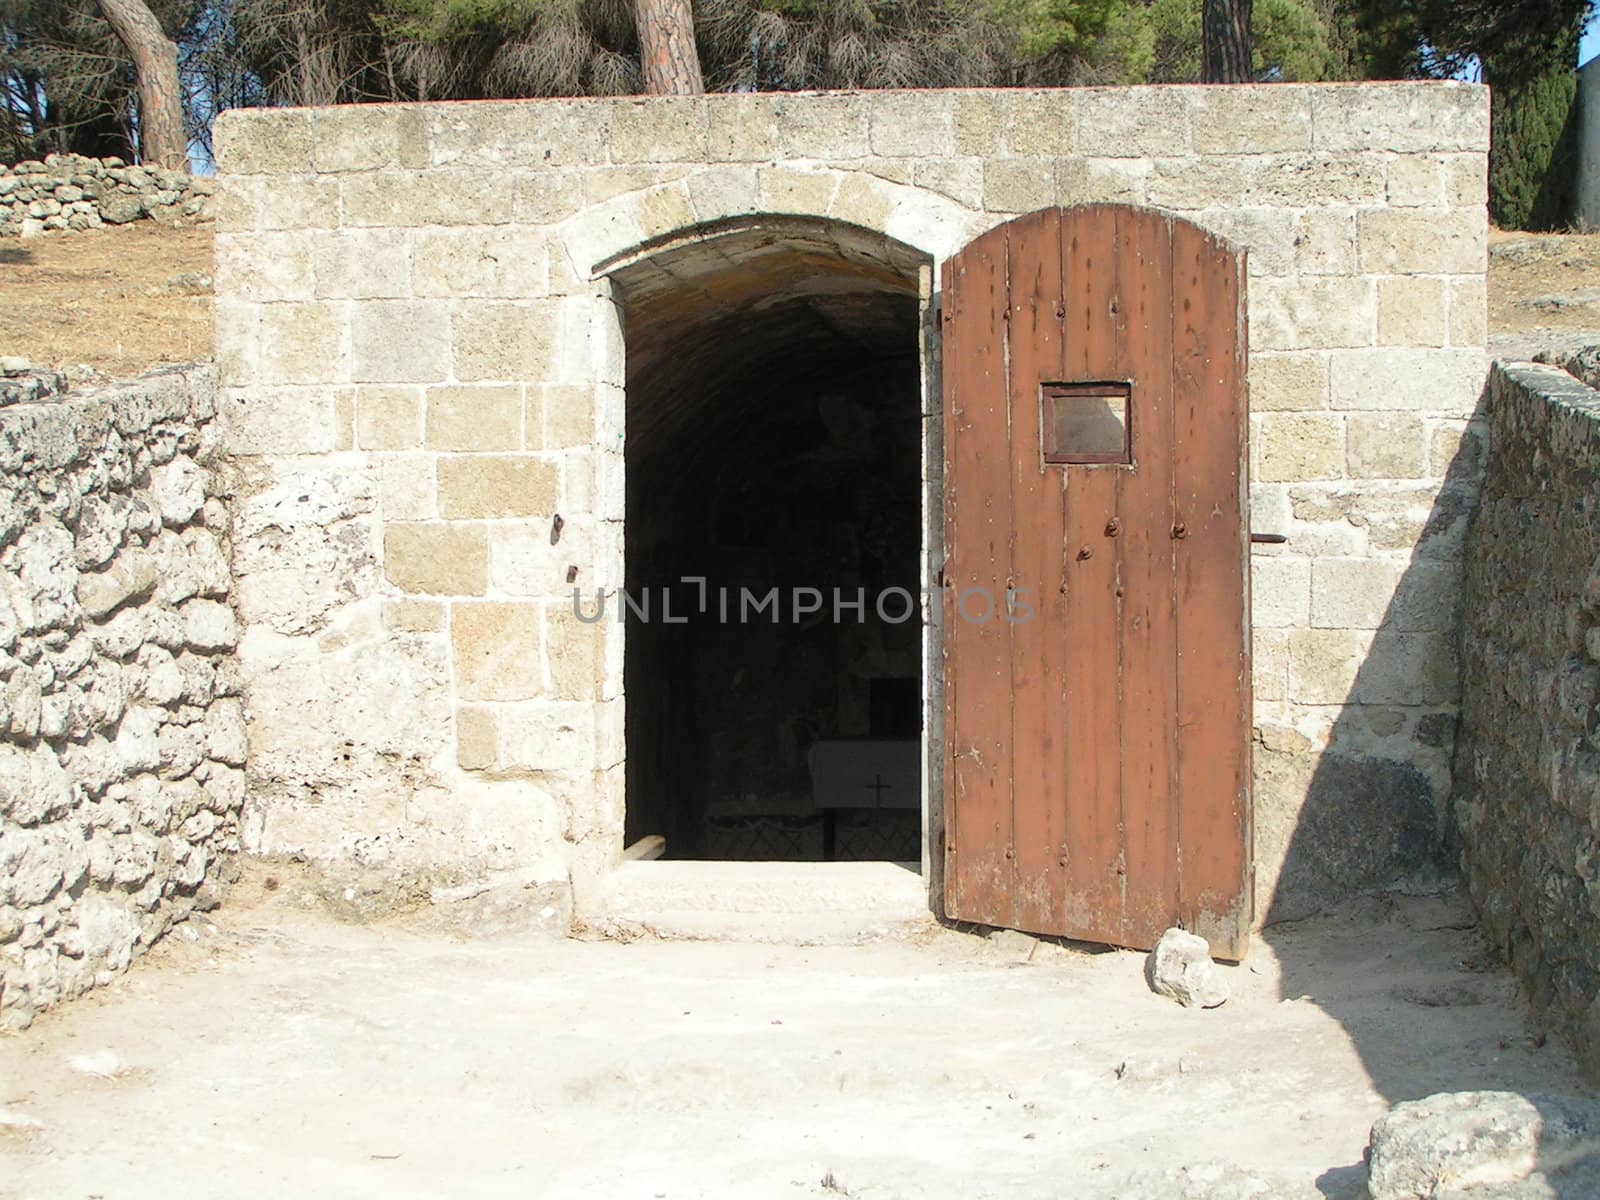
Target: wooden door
x=1096 y=627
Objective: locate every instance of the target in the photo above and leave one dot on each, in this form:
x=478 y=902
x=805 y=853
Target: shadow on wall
x=1415 y=986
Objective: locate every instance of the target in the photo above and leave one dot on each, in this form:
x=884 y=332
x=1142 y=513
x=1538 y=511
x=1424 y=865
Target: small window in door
x=1086 y=422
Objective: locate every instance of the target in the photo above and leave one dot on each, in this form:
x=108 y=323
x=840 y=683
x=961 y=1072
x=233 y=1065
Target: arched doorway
x=775 y=660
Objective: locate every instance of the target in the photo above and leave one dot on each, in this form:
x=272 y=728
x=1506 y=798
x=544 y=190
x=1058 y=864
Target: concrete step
x=792 y=903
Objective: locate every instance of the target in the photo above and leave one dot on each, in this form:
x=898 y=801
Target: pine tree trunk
x=155 y=65
x=1225 y=32
x=666 y=46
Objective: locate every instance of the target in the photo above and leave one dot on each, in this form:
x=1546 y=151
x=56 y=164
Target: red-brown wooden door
x=1097 y=747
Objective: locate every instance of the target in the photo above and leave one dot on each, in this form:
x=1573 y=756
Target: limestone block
x=1018 y=185
x=543 y=197
x=481 y=417
x=1325 y=242
x=280 y=421
x=436 y=559
x=961 y=179
x=413 y=616
x=1417 y=181
x=541 y=134
x=1323 y=664
x=1423 y=241
x=1352 y=593
x=1280 y=592
x=1427 y=597
x=532 y=559
x=1411 y=310
x=1133 y=122
x=862 y=200
x=1402 y=117
x=362 y=264
x=1269 y=664
x=298 y=202
x=796 y=189
x=576 y=653
x=408 y=199
x=1409 y=668
x=742 y=128
x=831 y=125
x=262 y=141
x=262 y=266
x=1097 y=180
x=1311 y=313
x=1299 y=446
x=559 y=416
x=659 y=129
x=400 y=341
x=1467 y=302
x=910 y=124
x=497 y=650
x=664 y=210
x=496 y=485
x=1385 y=446
x=301 y=343
x=388 y=418
x=362 y=137
x=720 y=192
x=476 y=737
x=550 y=735
x=1252 y=120
x=1288 y=382
x=1467 y=180
x=1439 y=381
x=493 y=340
x=1456 y=447
x=408 y=487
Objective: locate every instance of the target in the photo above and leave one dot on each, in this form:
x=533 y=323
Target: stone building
x=477 y=358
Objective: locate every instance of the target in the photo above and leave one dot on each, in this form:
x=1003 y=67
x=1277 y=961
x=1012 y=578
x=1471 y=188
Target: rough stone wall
x=423 y=365
x=73 y=192
x=122 y=736
x=1526 y=808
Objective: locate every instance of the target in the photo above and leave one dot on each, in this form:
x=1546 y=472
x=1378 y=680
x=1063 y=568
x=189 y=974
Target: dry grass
x=105 y=298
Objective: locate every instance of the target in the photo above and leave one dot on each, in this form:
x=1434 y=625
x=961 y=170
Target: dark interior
x=773 y=442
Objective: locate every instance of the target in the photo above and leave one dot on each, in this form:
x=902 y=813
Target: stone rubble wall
x=74 y=192
x=423 y=365
x=1526 y=806
x=122 y=737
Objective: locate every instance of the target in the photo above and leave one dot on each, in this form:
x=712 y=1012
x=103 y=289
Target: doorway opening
x=775 y=665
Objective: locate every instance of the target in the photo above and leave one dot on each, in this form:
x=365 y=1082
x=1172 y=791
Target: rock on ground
x=1180 y=967
x=1486 y=1146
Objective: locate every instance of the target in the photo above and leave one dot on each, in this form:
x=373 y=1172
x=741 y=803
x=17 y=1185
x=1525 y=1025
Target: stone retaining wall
x=1526 y=805
x=121 y=735
x=72 y=192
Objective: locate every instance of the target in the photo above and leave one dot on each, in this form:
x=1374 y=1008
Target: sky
x=1590 y=46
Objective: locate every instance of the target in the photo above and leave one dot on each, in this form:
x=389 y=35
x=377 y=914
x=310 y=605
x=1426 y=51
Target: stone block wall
x=122 y=738
x=1526 y=808
x=74 y=192
x=422 y=359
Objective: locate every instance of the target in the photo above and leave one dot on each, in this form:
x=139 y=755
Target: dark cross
x=877 y=787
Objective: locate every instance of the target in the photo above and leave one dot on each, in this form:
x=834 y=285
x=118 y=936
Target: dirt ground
x=273 y=1050
x=120 y=299
x=109 y=299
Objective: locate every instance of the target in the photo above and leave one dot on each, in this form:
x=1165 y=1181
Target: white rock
x=1180 y=967
x=11 y=365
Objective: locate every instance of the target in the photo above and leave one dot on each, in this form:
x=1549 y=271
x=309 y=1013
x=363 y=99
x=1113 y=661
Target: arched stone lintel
x=602 y=236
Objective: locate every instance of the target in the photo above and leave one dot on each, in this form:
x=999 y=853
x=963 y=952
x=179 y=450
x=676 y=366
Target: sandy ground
x=120 y=299
x=276 y=1051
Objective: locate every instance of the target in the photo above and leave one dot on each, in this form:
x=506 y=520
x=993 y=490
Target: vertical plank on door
x=1092 y=673
x=1148 y=632
x=1212 y=581
x=1038 y=644
x=979 y=862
